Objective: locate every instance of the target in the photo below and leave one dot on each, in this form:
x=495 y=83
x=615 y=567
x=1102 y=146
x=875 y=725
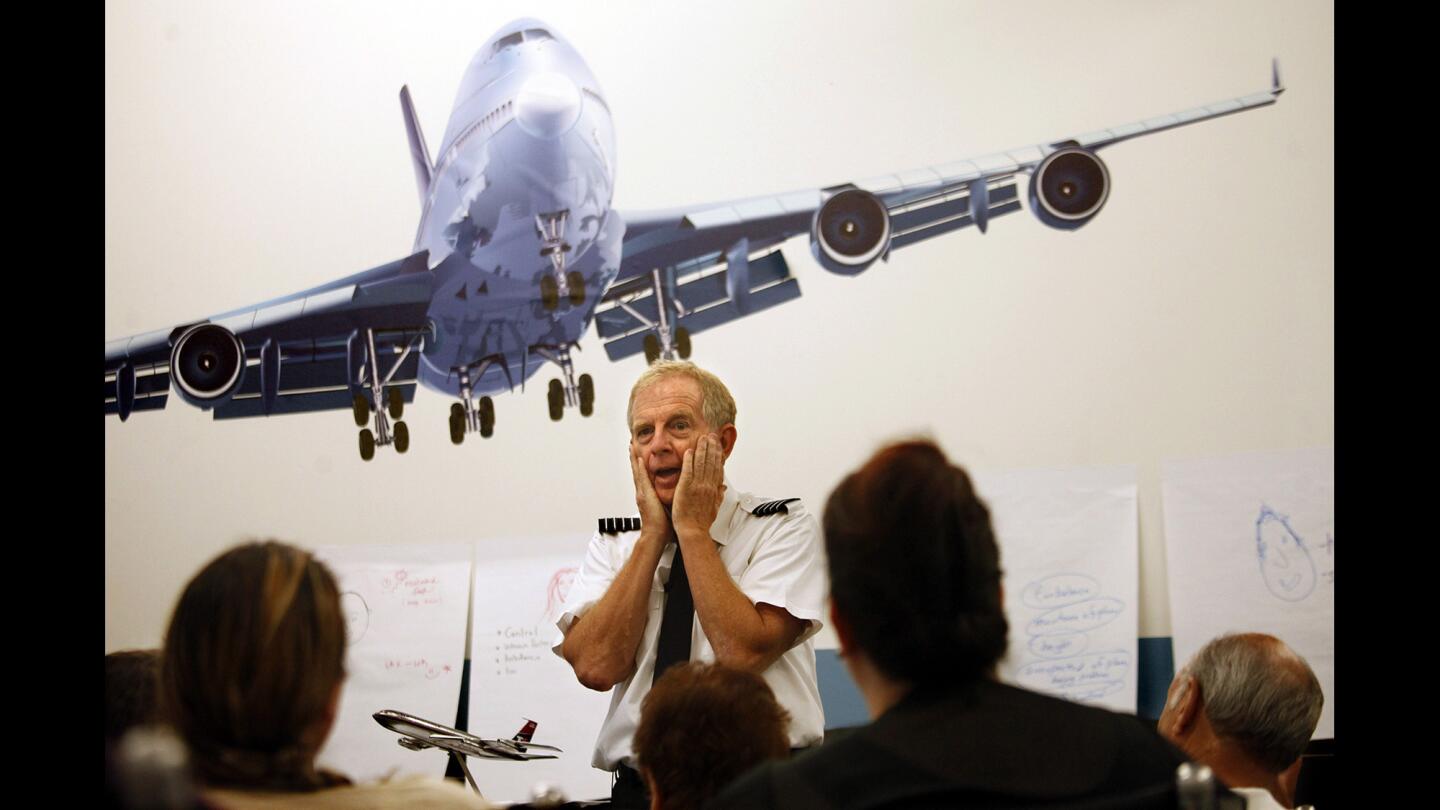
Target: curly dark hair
x=914 y=566
x=703 y=725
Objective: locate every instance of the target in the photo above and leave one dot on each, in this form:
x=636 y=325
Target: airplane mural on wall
x=518 y=250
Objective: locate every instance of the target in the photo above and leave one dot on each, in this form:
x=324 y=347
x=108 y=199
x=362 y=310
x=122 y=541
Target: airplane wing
x=689 y=269
x=303 y=352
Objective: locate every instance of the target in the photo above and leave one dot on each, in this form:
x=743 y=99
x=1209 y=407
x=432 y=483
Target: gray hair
x=1258 y=694
x=717 y=406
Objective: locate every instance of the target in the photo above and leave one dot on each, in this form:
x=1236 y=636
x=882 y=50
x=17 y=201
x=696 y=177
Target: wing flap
x=714 y=316
x=700 y=293
x=305 y=401
x=319 y=385
x=679 y=242
x=153 y=402
x=941 y=218
x=148 y=381
x=152 y=390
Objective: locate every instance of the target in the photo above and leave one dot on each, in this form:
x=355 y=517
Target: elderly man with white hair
x=706 y=573
x=1246 y=705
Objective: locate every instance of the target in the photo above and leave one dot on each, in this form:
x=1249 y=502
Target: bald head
x=1258 y=695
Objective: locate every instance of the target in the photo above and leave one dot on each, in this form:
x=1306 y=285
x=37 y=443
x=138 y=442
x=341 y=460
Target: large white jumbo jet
x=518 y=250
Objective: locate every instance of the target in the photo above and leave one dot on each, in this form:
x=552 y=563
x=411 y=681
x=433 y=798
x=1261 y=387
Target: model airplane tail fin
x=419 y=153
x=526 y=732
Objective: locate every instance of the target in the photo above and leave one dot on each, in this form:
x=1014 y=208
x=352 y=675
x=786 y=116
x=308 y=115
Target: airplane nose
x=548 y=105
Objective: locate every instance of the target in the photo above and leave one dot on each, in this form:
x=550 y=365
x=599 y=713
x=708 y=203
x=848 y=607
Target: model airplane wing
x=303 y=352
x=689 y=269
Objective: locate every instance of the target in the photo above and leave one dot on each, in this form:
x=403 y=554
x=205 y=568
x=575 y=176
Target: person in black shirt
x=916 y=605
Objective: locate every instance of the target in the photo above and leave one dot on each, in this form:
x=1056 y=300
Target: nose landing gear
x=551 y=229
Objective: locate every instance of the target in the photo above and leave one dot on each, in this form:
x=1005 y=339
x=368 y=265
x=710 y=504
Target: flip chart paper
x=1069 y=552
x=1250 y=547
x=515 y=676
x=405 y=611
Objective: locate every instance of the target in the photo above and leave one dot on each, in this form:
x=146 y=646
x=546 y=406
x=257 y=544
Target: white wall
x=254 y=150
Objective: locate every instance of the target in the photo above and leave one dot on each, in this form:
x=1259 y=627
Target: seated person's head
x=252 y=667
x=131 y=678
x=914 y=571
x=703 y=725
x=1245 y=705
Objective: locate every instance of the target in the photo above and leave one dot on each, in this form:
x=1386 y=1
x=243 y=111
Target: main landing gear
x=570 y=393
x=468 y=417
x=665 y=340
x=465 y=417
x=393 y=400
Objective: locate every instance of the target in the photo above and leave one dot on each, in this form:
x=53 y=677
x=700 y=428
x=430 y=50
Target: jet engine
x=850 y=231
x=1069 y=187
x=207 y=363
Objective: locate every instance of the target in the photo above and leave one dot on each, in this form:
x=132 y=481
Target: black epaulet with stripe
x=773 y=507
x=619 y=525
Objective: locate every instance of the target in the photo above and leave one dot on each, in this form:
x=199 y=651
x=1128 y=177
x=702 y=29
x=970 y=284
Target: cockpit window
x=506 y=41
x=536 y=34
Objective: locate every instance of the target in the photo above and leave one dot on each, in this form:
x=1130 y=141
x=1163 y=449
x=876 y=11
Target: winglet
x=419 y=154
x=1276 y=85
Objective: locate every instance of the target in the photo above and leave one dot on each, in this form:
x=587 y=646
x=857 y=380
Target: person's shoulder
x=1133 y=738
x=768 y=506
x=414 y=791
x=781 y=784
x=773 y=512
x=611 y=527
x=751 y=790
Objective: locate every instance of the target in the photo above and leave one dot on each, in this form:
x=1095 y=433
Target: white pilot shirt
x=776 y=559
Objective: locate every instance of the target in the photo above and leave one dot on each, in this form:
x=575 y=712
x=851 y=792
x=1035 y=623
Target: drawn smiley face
x=1285 y=561
x=357 y=616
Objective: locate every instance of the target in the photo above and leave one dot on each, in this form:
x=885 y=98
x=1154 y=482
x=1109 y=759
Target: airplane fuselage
x=525 y=170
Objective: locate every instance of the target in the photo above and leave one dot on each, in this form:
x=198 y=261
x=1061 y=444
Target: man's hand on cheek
x=697 y=496
x=653 y=518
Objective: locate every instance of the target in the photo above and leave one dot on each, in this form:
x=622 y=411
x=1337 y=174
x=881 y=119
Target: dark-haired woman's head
x=252 y=666
x=914 y=567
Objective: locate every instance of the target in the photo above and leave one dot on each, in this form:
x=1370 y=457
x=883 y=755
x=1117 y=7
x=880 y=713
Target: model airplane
x=518 y=250
x=417 y=734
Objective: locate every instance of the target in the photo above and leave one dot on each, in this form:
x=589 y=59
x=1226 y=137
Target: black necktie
x=677 y=620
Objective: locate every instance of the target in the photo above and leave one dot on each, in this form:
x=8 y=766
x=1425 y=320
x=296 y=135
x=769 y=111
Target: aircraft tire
x=682 y=342
x=396 y=400
x=457 y=427
x=367 y=444
x=549 y=293
x=402 y=437
x=587 y=395
x=361 y=409
x=487 y=417
x=576 y=282
x=556 y=399
x=652 y=349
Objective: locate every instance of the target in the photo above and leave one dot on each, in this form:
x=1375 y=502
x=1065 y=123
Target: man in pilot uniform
x=708 y=574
